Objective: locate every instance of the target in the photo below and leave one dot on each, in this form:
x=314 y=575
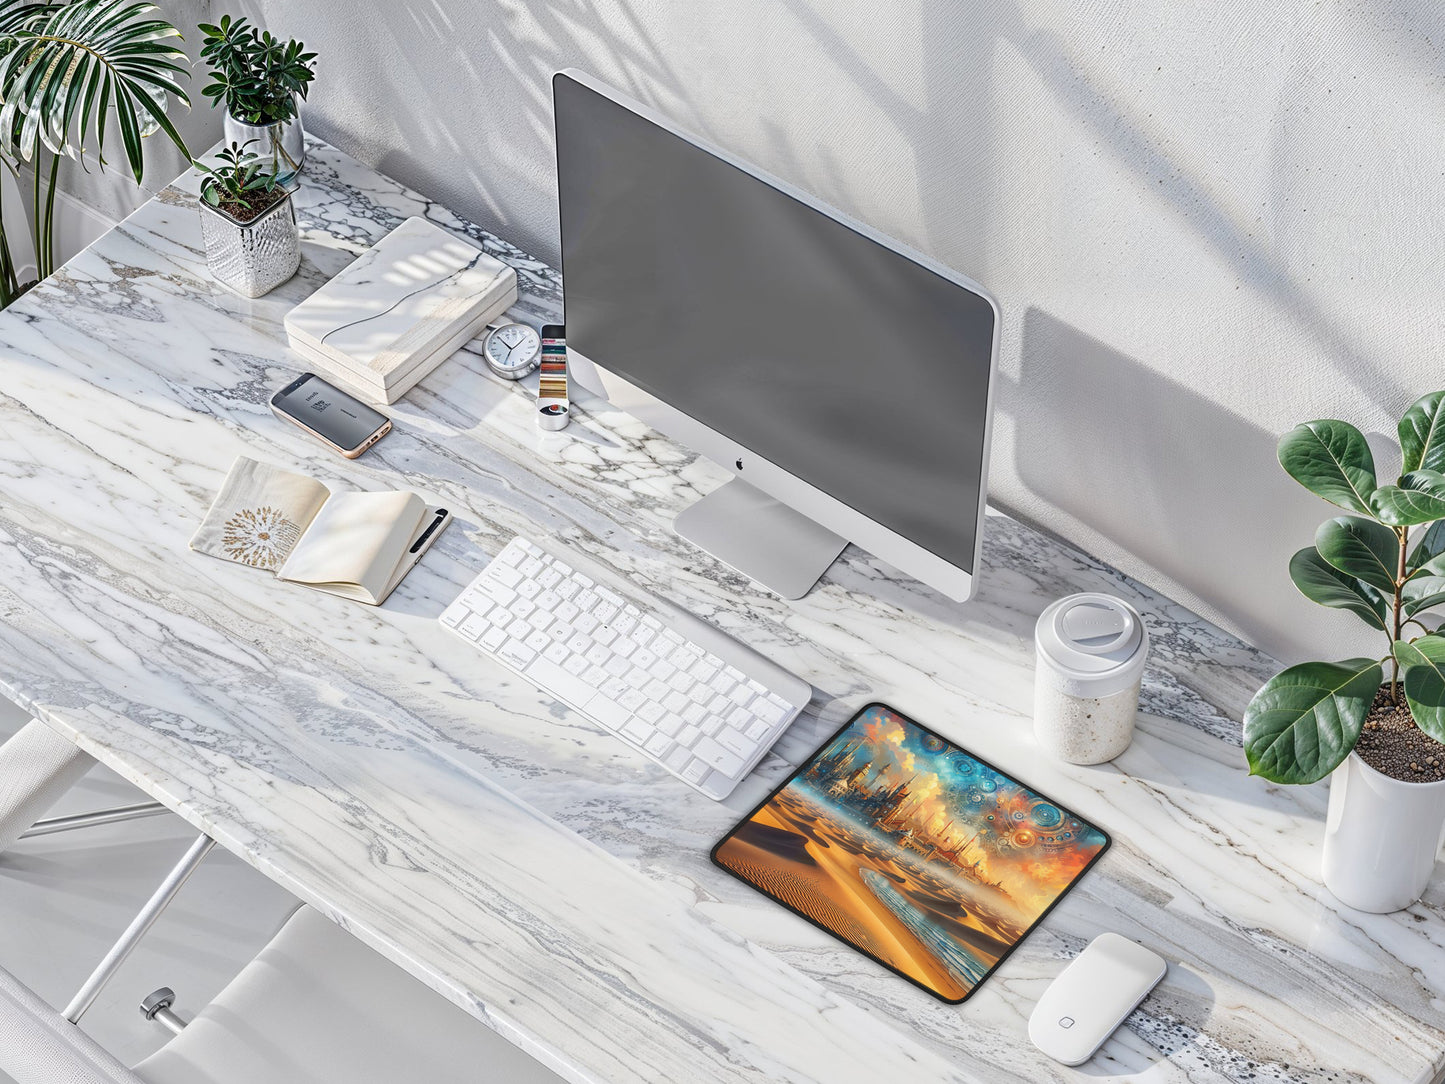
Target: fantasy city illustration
x=913 y=851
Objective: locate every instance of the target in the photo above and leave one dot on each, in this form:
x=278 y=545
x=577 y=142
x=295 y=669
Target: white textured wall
x=1204 y=221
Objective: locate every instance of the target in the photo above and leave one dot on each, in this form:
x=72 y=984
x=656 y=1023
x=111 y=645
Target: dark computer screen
x=838 y=359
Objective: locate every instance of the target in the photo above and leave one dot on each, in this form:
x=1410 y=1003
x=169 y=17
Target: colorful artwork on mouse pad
x=913 y=851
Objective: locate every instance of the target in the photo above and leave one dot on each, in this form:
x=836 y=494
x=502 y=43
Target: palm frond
x=68 y=69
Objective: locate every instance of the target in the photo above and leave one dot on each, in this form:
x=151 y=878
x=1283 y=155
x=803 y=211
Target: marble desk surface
x=531 y=867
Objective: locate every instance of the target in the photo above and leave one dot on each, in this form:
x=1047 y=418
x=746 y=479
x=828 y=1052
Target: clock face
x=513 y=349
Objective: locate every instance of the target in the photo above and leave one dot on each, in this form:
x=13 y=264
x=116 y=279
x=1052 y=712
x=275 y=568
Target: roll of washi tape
x=552 y=406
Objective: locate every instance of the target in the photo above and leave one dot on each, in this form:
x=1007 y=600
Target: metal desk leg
x=37 y=766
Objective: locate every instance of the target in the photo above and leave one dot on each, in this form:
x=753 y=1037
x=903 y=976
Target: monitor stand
x=761 y=537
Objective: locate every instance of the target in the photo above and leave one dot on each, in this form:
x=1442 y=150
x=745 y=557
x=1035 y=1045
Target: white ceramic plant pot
x=1382 y=837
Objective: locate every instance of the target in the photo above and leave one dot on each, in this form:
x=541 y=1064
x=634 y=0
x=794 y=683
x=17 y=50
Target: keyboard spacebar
x=551 y=678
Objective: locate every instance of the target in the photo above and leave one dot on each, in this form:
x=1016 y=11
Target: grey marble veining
x=531 y=867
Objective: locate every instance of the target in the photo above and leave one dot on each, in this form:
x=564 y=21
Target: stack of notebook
x=400 y=309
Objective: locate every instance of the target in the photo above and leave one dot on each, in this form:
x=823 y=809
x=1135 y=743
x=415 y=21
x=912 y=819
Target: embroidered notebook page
x=259 y=515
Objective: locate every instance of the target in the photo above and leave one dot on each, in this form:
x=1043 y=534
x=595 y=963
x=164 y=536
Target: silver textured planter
x=282 y=146
x=252 y=257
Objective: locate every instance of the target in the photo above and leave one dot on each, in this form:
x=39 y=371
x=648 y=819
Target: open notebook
x=356 y=545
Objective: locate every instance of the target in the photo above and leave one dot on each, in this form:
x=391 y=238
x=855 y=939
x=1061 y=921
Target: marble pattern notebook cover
x=401 y=308
x=356 y=545
x=913 y=851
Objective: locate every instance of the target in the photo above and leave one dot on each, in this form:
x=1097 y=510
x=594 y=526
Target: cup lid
x=1096 y=642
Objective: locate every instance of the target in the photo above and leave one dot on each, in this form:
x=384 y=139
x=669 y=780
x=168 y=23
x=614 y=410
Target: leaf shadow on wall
x=1184 y=485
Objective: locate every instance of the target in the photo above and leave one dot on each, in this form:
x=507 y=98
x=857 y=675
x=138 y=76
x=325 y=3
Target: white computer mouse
x=1092 y=996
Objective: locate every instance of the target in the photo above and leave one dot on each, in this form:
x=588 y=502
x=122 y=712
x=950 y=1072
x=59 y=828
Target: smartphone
x=340 y=421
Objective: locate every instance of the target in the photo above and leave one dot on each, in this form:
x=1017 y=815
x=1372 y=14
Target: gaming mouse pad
x=912 y=850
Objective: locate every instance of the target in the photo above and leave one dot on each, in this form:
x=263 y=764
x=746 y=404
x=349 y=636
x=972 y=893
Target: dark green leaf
x=1422 y=592
x=1360 y=548
x=1428 y=546
x=1331 y=459
x=1424 y=672
x=1422 y=434
x=1419 y=498
x=1321 y=582
x=1305 y=720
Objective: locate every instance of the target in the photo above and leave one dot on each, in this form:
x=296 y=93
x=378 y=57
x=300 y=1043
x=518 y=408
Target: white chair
x=316 y=1006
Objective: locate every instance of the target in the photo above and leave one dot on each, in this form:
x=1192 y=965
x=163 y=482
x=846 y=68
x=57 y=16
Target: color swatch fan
x=913 y=851
x=400 y=309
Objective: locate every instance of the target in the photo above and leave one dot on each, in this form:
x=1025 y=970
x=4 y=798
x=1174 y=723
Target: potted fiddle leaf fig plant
x=247 y=222
x=260 y=79
x=1376 y=723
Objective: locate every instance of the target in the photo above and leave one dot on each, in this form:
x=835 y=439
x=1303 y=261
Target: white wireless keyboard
x=695 y=700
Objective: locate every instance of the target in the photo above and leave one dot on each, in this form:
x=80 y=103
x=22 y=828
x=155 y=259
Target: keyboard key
x=636 y=730
x=695 y=715
x=506 y=576
x=734 y=742
x=518 y=655
x=595 y=676
x=529 y=589
x=539 y=641
x=766 y=710
x=677 y=759
x=575 y=665
x=529 y=567
x=473 y=627
x=632 y=700
x=695 y=772
x=674 y=701
x=493 y=638
x=610 y=714
x=715 y=756
x=512 y=554
x=556 y=653
x=453 y=616
x=586 y=623
x=655 y=689
x=657 y=744
x=612 y=688
x=757 y=729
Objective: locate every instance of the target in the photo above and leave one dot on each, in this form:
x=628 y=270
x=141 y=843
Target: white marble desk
x=532 y=868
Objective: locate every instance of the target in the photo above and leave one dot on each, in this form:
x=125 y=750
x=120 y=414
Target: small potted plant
x=249 y=225
x=260 y=79
x=1381 y=738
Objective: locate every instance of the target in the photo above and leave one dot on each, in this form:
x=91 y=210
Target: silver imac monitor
x=845 y=380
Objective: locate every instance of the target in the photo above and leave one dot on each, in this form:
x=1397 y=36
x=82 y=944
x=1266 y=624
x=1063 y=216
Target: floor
x=65 y=898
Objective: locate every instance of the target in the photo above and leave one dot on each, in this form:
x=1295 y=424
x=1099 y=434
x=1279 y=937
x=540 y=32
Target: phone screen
x=328 y=411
